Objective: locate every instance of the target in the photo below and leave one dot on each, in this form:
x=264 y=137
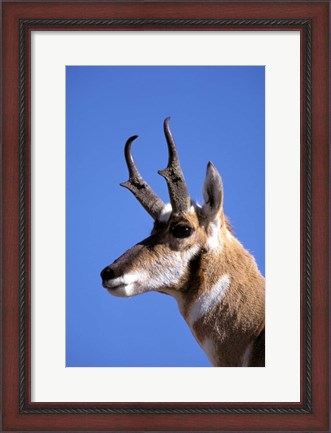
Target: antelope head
x=192 y=255
x=185 y=237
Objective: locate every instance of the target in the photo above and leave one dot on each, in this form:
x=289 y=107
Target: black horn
x=140 y=189
x=178 y=192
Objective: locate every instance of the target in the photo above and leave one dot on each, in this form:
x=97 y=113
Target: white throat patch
x=207 y=301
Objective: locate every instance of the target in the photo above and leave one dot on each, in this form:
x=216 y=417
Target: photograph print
x=165 y=216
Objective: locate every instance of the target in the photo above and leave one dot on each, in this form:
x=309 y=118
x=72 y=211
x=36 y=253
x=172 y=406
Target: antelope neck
x=225 y=309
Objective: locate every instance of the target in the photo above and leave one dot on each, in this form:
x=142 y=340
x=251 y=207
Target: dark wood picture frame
x=312 y=20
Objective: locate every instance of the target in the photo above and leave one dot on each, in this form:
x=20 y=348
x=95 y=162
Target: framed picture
x=243 y=85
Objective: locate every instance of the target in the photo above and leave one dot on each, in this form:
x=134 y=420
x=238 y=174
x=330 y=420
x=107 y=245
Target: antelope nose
x=107 y=274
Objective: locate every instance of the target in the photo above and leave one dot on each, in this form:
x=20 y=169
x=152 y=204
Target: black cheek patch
x=194 y=266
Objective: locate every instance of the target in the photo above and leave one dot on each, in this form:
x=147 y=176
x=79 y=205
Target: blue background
x=217 y=114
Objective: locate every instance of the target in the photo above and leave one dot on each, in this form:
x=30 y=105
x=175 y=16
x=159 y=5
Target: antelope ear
x=212 y=192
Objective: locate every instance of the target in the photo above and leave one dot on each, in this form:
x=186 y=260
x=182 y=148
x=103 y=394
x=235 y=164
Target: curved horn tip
x=166 y=125
x=131 y=139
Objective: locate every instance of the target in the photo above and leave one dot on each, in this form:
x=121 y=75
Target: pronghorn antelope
x=193 y=256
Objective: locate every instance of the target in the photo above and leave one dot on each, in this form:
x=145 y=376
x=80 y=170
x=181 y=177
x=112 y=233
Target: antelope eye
x=181 y=231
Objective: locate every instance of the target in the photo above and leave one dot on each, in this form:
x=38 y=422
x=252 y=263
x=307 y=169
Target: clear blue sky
x=217 y=114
